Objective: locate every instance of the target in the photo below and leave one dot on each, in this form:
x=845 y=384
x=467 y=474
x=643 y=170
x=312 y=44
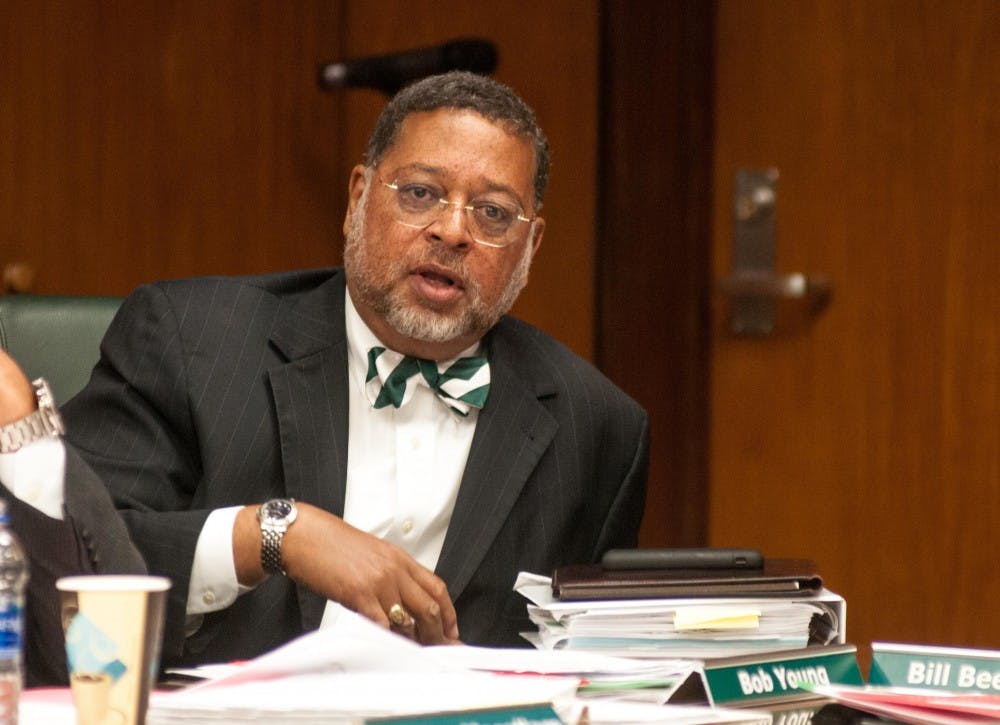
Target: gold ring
x=398 y=615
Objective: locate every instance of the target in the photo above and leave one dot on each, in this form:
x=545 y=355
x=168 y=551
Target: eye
x=417 y=195
x=494 y=213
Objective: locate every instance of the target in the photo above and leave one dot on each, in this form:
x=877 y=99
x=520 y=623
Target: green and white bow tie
x=462 y=384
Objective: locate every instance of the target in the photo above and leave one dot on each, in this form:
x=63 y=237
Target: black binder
x=778 y=577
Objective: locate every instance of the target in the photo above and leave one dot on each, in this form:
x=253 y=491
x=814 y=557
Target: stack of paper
x=356 y=672
x=350 y=673
x=600 y=676
x=678 y=627
x=355 y=697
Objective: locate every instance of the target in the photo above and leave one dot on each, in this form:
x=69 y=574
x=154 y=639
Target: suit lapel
x=513 y=431
x=311 y=403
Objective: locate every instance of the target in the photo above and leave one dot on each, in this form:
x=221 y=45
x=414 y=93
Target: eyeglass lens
x=494 y=222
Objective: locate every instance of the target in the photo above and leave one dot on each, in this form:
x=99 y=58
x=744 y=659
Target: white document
x=346 y=673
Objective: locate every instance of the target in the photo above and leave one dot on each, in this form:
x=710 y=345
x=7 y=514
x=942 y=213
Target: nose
x=451 y=224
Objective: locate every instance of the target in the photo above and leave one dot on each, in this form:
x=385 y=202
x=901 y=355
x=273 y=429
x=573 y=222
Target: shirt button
x=208 y=597
x=407 y=526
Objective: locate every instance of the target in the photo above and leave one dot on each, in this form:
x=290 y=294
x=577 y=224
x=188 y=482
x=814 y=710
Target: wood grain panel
x=146 y=140
x=871 y=439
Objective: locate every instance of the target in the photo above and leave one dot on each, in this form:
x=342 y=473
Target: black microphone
x=389 y=73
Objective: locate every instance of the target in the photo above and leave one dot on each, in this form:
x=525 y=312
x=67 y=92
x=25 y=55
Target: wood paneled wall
x=145 y=140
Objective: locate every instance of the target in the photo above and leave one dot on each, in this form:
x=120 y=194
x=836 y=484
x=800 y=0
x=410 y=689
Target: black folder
x=778 y=577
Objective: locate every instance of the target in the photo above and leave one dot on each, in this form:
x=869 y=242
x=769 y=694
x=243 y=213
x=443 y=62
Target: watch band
x=270 y=549
x=42 y=423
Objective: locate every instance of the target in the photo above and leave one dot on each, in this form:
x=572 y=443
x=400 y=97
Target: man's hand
x=17 y=399
x=358 y=570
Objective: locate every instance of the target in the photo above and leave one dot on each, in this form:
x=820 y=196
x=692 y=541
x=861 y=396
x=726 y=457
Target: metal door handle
x=751 y=283
x=753 y=286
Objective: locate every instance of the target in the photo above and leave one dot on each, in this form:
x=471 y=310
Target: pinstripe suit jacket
x=222 y=391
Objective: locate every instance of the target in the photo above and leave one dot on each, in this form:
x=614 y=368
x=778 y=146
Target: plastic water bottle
x=13 y=581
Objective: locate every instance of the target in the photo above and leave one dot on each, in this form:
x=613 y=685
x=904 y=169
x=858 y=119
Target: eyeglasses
x=492 y=222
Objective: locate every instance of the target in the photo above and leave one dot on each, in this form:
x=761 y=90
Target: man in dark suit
x=286 y=444
x=64 y=532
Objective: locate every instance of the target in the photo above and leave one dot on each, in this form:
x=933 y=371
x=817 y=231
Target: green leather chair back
x=56 y=337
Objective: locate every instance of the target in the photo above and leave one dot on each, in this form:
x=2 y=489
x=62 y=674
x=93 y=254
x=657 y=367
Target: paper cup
x=114 y=628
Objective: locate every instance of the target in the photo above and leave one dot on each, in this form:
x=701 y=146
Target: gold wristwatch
x=43 y=423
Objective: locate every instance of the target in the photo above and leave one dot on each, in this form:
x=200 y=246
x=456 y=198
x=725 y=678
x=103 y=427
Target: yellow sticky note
x=690 y=618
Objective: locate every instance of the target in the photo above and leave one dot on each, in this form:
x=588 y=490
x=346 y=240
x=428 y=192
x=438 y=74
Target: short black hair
x=462 y=90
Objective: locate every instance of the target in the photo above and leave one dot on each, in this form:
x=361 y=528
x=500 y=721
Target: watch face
x=278 y=510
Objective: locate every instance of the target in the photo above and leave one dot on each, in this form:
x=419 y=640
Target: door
x=867 y=436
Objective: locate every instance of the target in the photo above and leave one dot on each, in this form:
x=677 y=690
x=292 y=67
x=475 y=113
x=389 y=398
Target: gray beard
x=410 y=320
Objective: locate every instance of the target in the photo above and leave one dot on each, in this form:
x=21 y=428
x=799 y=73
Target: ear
x=536 y=241
x=355 y=188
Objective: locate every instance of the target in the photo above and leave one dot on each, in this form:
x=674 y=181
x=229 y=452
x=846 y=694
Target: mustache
x=449 y=260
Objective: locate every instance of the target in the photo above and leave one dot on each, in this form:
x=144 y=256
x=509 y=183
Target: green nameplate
x=526 y=715
x=940 y=668
x=781 y=676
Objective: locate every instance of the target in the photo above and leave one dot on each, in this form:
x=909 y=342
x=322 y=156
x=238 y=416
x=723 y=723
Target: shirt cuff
x=35 y=475
x=213 y=584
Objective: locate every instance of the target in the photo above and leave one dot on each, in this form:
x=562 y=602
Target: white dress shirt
x=35 y=475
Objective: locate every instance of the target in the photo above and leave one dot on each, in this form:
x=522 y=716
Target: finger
x=372 y=608
x=424 y=612
x=432 y=610
x=438 y=591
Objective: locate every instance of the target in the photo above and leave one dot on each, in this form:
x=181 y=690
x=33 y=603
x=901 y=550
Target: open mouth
x=437 y=286
x=438 y=277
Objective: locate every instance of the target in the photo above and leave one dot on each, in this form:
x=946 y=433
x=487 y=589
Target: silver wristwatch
x=43 y=423
x=275 y=516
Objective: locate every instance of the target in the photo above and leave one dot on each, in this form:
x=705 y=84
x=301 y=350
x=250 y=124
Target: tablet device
x=683 y=558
